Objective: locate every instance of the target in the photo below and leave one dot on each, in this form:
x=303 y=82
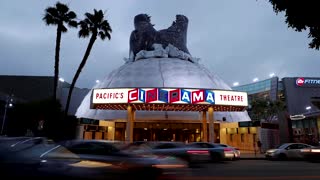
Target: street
x=256 y=169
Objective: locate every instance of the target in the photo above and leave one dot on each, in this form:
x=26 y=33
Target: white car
x=287 y=151
x=236 y=151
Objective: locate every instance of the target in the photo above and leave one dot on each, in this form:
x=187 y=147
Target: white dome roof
x=160 y=73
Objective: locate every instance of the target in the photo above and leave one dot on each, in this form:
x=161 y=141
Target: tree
x=301 y=15
x=58 y=16
x=94 y=25
x=266 y=109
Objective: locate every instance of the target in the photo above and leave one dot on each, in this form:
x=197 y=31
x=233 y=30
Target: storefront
x=303 y=121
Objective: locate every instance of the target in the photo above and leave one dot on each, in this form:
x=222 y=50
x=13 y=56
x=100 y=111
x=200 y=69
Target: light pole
x=8 y=104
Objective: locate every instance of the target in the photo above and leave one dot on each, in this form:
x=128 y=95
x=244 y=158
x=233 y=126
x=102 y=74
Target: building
x=16 y=89
x=162 y=64
x=299 y=120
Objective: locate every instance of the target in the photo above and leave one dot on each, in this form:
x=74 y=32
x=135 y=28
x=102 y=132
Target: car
x=191 y=155
x=42 y=158
x=235 y=150
x=311 y=154
x=217 y=151
x=80 y=159
x=109 y=151
x=287 y=151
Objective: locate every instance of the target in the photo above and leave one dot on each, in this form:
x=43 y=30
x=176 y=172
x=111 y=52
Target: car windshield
x=282 y=146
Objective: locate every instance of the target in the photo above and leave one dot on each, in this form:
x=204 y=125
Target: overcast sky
x=237 y=40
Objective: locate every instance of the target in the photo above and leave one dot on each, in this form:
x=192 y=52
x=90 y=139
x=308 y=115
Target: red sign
x=300 y=81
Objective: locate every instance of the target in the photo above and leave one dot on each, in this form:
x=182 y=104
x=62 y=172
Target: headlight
x=272 y=151
x=315 y=150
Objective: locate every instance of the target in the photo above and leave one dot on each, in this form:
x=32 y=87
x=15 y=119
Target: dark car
x=109 y=151
x=42 y=158
x=179 y=150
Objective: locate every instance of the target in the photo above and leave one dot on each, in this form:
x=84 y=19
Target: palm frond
x=83 y=33
x=73 y=24
x=102 y=35
x=62 y=8
x=71 y=15
x=63 y=28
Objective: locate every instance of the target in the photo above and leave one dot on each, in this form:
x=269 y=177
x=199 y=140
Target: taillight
x=228 y=149
x=198 y=152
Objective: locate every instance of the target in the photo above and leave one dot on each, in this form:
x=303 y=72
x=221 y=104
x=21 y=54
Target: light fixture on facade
x=308 y=107
x=145 y=128
x=297 y=117
x=97 y=81
x=61 y=79
x=165 y=129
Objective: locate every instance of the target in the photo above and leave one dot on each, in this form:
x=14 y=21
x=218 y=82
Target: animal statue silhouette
x=145 y=35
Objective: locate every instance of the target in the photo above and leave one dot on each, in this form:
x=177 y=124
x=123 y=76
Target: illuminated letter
x=209 y=97
x=151 y=95
x=142 y=97
x=197 y=96
x=174 y=95
x=133 y=95
x=185 y=96
x=163 y=95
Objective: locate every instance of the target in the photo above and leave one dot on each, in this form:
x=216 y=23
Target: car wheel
x=216 y=157
x=282 y=156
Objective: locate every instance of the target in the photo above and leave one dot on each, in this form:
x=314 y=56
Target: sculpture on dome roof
x=171 y=42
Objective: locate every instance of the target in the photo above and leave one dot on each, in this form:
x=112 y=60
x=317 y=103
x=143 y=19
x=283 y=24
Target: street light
x=8 y=104
x=308 y=107
x=255 y=79
x=97 y=81
x=271 y=75
x=236 y=84
x=61 y=79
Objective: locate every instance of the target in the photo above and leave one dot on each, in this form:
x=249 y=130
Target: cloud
x=238 y=40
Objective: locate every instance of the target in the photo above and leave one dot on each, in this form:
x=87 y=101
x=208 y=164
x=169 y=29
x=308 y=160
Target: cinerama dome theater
x=159 y=59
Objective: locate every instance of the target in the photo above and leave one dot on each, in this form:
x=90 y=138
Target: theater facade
x=161 y=93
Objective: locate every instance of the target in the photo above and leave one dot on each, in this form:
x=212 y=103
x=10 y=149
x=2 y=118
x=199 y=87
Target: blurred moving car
x=109 y=151
x=218 y=152
x=191 y=155
x=311 y=154
x=287 y=151
x=235 y=150
x=42 y=158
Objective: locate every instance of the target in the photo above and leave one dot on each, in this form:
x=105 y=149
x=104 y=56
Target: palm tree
x=94 y=25
x=58 y=16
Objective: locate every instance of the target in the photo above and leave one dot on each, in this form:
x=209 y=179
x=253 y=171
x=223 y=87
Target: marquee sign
x=169 y=96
